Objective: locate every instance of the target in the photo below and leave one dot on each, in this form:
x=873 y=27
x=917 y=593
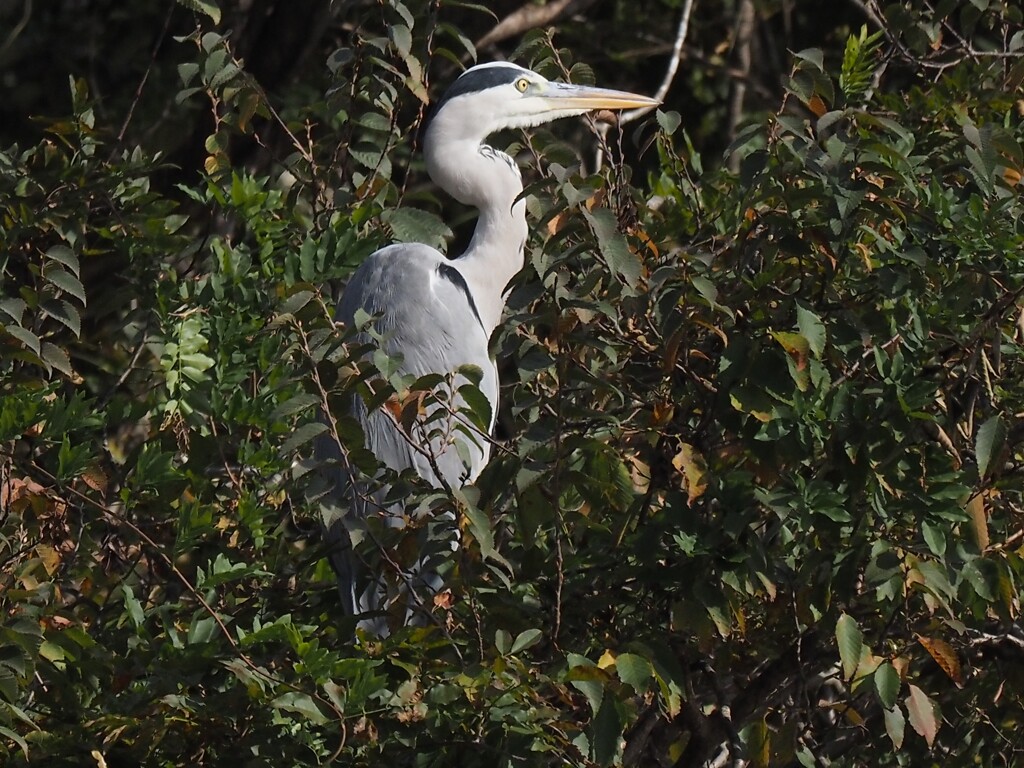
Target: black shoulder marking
x=474 y=80
x=453 y=276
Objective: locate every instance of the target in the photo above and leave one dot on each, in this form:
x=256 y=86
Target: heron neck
x=494 y=256
x=478 y=175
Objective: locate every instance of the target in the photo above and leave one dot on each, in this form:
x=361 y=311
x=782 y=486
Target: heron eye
x=522 y=84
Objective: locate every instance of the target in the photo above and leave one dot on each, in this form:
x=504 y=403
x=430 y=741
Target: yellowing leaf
x=895 y=725
x=979 y=521
x=607 y=660
x=922 y=714
x=691 y=465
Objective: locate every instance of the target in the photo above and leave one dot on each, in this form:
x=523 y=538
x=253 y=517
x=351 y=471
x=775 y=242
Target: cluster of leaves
x=758 y=492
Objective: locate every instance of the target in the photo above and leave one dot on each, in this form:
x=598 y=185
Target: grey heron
x=435 y=315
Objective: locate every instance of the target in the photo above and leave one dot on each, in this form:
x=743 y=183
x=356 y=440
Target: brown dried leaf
x=95 y=478
x=945 y=657
x=817 y=105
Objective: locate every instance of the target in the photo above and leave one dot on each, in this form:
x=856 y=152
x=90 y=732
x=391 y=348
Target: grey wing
x=424 y=311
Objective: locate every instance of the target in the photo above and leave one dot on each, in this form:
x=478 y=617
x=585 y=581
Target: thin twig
x=666 y=83
x=145 y=76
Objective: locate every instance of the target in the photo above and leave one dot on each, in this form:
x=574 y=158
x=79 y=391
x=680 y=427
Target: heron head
x=490 y=97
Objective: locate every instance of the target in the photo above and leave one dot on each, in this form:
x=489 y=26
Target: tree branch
x=530 y=16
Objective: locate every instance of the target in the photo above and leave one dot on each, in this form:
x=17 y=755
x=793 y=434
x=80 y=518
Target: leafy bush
x=759 y=492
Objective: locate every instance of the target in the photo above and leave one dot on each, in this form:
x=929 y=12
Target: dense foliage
x=756 y=493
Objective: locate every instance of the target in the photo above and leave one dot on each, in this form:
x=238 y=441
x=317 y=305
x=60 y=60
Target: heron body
x=436 y=315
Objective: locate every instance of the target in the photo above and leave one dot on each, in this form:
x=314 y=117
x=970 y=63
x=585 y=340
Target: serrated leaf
x=205 y=7
x=67 y=282
x=634 y=670
x=921 y=711
x=303 y=435
x=989 y=443
x=621 y=261
x=812 y=329
x=55 y=356
x=411 y=225
x=65 y=256
x=944 y=656
x=25 y=336
x=401 y=37
x=887 y=683
x=14 y=309
x=668 y=121
x=895 y=726
x=589 y=681
x=851 y=641
x=65 y=313
x=690 y=463
x=526 y=639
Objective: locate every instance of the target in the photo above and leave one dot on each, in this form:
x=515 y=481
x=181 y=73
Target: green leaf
x=302 y=435
x=295 y=302
x=206 y=7
x=401 y=36
x=133 y=606
x=301 y=402
x=621 y=261
x=64 y=255
x=668 y=121
x=812 y=329
x=895 y=726
x=526 y=639
x=57 y=357
x=302 y=704
x=934 y=537
x=502 y=642
x=851 y=641
x=588 y=680
x=887 y=683
x=411 y=225
x=26 y=337
x=65 y=313
x=480 y=527
x=67 y=282
x=989 y=443
x=478 y=406
x=634 y=670
x=202 y=630
x=606 y=733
